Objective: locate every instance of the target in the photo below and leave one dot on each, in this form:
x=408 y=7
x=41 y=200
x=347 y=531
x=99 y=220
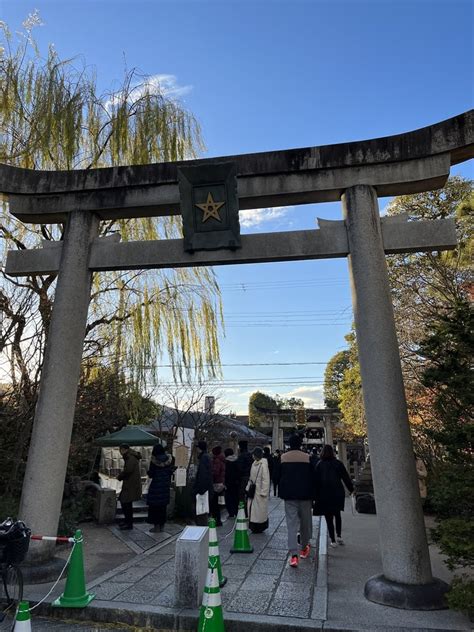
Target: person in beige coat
x=258 y=490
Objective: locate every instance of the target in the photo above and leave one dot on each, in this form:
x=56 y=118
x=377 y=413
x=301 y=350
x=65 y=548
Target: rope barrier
x=59 y=578
x=57 y=539
x=224 y=537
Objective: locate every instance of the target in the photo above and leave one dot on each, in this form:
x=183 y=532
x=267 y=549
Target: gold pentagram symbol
x=210 y=208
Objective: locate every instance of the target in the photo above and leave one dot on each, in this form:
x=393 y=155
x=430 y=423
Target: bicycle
x=14 y=544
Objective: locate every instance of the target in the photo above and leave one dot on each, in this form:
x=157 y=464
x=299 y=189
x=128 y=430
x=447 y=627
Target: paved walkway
x=262 y=593
x=140 y=539
x=260 y=583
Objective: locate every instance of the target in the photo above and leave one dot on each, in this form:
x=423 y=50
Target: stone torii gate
x=356 y=173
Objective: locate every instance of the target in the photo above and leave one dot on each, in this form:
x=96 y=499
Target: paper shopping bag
x=202 y=504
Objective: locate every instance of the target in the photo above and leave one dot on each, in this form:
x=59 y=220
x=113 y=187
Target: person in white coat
x=258 y=490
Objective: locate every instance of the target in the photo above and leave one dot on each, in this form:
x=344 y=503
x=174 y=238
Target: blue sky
x=274 y=75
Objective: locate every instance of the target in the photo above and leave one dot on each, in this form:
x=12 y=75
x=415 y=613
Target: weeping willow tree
x=53 y=117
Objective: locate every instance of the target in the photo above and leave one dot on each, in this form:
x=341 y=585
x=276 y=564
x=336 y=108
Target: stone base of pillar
x=42 y=572
x=430 y=596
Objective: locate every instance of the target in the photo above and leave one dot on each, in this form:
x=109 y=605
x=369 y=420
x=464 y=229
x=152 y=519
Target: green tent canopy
x=130 y=435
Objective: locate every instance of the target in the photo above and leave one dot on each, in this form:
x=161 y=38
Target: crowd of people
x=308 y=483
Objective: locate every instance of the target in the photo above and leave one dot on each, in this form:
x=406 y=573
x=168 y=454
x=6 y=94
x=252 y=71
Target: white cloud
x=167 y=84
x=238 y=398
x=312 y=396
x=257 y=216
x=164 y=84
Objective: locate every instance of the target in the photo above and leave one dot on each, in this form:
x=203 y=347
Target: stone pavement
x=262 y=593
x=349 y=568
x=259 y=584
x=140 y=539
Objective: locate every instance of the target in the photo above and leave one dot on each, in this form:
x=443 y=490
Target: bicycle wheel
x=13 y=585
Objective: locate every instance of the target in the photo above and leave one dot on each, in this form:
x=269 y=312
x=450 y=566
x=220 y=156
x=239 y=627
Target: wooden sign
x=181 y=456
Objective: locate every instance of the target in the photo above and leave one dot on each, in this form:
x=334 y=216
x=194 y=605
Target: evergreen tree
x=448 y=352
x=333 y=376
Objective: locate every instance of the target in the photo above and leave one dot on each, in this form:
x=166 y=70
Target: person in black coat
x=268 y=455
x=160 y=471
x=330 y=474
x=314 y=457
x=203 y=482
x=244 y=461
x=232 y=482
x=276 y=471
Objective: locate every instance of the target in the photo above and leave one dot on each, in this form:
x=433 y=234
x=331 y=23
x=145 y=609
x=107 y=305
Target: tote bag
x=202 y=504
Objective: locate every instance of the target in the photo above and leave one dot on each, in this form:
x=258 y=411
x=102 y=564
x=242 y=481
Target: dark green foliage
x=333 y=376
x=257 y=402
x=261 y=403
x=455 y=537
x=449 y=352
x=461 y=595
x=75 y=509
x=105 y=403
x=450 y=490
x=8 y=506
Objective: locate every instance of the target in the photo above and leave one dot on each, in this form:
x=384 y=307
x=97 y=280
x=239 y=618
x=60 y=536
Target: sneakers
x=333 y=545
x=304 y=553
x=339 y=540
x=294 y=561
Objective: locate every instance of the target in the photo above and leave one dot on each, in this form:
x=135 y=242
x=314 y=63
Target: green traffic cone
x=214 y=552
x=75 y=595
x=241 y=538
x=211 y=618
x=23 y=619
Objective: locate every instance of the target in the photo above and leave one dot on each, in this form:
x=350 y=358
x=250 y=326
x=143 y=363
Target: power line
x=286 y=284
x=170 y=366
x=280 y=281
x=287 y=324
x=297 y=379
x=249 y=385
x=299 y=311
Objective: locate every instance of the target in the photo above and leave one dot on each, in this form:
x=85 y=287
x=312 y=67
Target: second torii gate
x=357 y=173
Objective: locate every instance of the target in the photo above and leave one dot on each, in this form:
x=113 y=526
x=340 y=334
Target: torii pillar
x=407 y=581
x=47 y=459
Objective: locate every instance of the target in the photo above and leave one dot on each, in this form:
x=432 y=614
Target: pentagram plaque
x=209 y=206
